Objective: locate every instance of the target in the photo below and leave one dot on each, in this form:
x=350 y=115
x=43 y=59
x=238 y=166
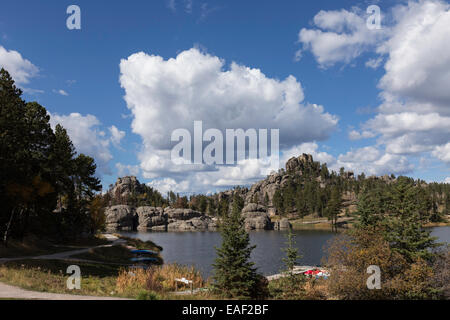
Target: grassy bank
x=311 y=223
x=102 y=279
x=50 y=276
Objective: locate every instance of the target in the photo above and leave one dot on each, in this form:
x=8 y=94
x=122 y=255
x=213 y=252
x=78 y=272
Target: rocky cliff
x=127 y=218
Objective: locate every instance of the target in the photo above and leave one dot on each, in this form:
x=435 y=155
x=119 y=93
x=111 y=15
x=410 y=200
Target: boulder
x=181 y=214
x=253 y=207
x=285 y=224
x=120 y=217
x=150 y=217
x=258 y=222
x=195 y=224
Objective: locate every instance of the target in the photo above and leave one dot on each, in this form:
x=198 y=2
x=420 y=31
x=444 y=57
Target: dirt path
x=11 y=292
x=66 y=254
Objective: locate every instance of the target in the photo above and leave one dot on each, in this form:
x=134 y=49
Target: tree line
x=46 y=188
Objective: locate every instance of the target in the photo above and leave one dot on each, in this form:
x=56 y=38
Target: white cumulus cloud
x=164 y=95
x=116 y=135
x=20 y=69
x=339 y=36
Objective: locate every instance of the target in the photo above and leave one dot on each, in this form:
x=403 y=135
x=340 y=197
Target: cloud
x=127 y=170
x=374 y=63
x=164 y=95
x=171 y=4
x=371 y=160
x=168 y=184
x=61 y=92
x=355 y=135
x=339 y=36
x=188 y=6
x=414 y=116
x=447 y=180
x=87 y=137
x=443 y=153
x=418 y=64
x=116 y=135
x=20 y=69
x=32 y=91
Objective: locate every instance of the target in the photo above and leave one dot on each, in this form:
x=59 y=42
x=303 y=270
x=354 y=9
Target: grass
x=102 y=279
x=299 y=287
x=50 y=276
x=160 y=279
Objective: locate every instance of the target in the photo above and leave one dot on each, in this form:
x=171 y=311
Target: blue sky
x=78 y=71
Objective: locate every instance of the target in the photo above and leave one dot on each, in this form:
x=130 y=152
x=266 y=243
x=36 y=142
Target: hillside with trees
x=309 y=188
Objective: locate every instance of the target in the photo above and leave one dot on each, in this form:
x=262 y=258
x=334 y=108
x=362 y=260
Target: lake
x=197 y=248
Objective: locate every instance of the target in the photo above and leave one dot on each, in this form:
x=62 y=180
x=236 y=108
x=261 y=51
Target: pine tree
x=372 y=206
x=292 y=255
x=234 y=273
x=292 y=286
x=278 y=202
x=404 y=229
x=334 y=206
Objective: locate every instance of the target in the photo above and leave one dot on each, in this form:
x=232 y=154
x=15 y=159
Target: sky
x=371 y=100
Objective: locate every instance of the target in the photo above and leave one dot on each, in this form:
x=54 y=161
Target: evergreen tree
x=291 y=251
x=278 y=202
x=292 y=286
x=234 y=274
x=404 y=229
x=334 y=206
x=372 y=206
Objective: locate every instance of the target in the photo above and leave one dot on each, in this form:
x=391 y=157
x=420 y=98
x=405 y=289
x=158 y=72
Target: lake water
x=197 y=248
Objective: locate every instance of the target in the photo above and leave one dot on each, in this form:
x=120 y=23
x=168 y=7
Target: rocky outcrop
x=268 y=186
x=181 y=214
x=282 y=224
x=299 y=164
x=256 y=217
x=120 y=217
x=151 y=218
x=123 y=217
x=264 y=190
x=196 y=224
x=125 y=187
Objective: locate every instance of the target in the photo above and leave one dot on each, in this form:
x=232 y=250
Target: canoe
x=144 y=252
x=143 y=259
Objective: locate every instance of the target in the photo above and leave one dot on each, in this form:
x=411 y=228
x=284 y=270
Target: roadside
x=44 y=276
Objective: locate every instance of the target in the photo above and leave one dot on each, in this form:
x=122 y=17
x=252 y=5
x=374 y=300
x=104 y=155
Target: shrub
x=157 y=279
x=350 y=255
